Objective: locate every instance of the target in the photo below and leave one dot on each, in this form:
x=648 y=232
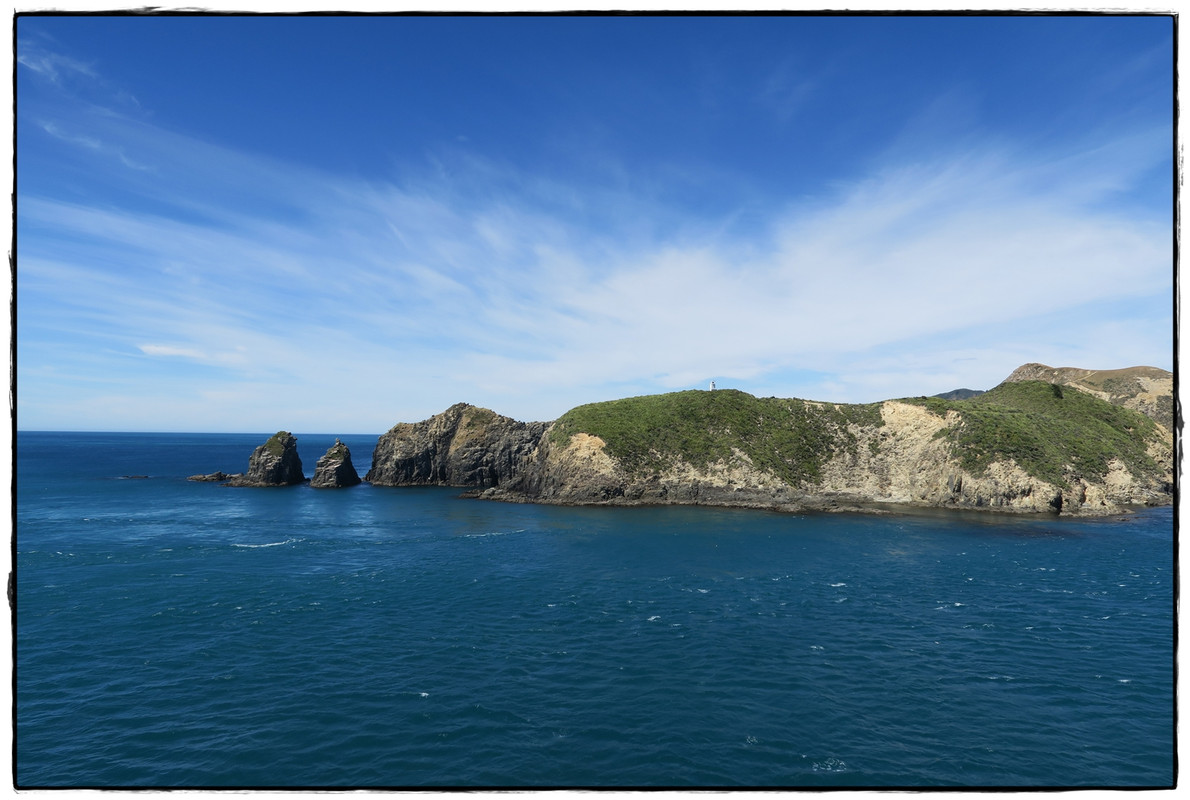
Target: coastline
x=816 y=504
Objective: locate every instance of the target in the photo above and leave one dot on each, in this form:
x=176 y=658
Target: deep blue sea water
x=172 y=633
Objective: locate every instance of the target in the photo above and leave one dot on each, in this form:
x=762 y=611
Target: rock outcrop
x=274 y=463
x=216 y=477
x=463 y=446
x=583 y=472
x=335 y=470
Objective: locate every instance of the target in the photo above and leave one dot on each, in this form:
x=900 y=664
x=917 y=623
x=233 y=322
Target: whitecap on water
x=266 y=544
x=491 y=533
x=830 y=765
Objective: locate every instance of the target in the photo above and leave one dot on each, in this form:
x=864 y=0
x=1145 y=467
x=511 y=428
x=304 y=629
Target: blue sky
x=337 y=224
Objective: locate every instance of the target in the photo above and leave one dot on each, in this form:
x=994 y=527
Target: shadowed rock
x=334 y=470
x=274 y=463
x=463 y=446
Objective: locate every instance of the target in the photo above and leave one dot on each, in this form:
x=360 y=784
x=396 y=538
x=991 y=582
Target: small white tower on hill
x=712 y=386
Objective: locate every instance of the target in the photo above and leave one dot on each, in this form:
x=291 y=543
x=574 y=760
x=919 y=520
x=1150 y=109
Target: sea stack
x=334 y=470
x=274 y=463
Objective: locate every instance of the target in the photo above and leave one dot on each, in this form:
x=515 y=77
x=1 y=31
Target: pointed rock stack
x=274 y=463
x=335 y=470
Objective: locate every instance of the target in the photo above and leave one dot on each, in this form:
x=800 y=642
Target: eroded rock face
x=579 y=472
x=463 y=446
x=335 y=470
x=274 y=463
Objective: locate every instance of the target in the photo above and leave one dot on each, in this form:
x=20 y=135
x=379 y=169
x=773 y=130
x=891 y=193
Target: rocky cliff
x=274 y=463
x=462 y=446
x=334 y=469
x=1027 y=446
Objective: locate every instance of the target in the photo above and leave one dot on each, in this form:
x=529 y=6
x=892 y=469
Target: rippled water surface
x=172 y=633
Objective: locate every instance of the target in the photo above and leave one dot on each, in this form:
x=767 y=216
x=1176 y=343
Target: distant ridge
x=960 y=394
x=1148 y=390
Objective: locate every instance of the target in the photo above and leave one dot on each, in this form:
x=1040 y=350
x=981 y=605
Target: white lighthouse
x=712 y=386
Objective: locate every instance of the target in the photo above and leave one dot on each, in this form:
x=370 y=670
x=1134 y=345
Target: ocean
x=181 y=634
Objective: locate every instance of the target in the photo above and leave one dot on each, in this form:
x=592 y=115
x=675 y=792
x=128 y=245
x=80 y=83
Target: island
x=1056 y=441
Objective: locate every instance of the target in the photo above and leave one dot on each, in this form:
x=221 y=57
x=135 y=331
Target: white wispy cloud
x=49 y=64
x=94 y=144
x=167 y=350
x=495 y=287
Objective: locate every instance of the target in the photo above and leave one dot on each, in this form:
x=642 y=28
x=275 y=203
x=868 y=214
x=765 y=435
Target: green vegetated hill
x=1053 y=432
x=791 y=438
x=960 y=394
x=1148 y=390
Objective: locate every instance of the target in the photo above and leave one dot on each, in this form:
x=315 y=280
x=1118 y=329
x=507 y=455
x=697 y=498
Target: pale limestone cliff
x=906 y=461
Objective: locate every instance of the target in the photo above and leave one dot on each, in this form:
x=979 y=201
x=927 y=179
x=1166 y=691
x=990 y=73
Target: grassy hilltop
x=790 y=438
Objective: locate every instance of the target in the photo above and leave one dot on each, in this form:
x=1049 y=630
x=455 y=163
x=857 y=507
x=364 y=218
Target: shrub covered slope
x=1053 y=432
x=789 y=438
